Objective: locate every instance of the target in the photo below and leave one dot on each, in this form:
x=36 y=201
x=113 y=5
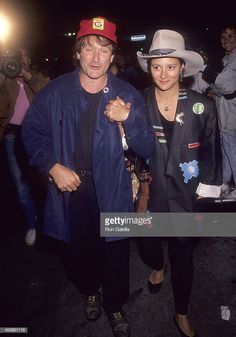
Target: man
x=69 y=135
x=16 y=94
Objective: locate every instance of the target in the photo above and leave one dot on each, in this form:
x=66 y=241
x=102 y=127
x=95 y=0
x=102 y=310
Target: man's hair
x=99 y=39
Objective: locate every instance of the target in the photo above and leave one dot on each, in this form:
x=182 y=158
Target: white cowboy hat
x=168 y=43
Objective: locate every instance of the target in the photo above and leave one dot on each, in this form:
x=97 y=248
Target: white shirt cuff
x=208 y=191
x=124 y=144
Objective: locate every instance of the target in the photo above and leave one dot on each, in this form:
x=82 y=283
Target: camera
x=10 y=64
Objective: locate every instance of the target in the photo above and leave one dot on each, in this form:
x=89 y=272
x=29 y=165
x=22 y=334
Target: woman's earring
x=181 y=76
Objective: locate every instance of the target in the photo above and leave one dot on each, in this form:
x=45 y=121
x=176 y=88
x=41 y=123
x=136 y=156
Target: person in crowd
x=69 y=134
x=223 y=85
x=131 y=70
x=45 y=69
x=117 y=67
x=184 y=165
x=16 y=95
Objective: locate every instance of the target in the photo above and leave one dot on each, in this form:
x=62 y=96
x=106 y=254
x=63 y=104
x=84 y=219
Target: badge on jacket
x=189 y=170
x=179 y=118
x=198 y=108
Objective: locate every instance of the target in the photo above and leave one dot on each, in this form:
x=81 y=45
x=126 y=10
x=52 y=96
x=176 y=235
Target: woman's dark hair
x=231 y=26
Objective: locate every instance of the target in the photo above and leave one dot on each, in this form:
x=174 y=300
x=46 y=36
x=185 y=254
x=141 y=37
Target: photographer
x=16 y=94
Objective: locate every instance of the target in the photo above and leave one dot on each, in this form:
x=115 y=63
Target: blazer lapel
x=180 y=120
x=155 y=121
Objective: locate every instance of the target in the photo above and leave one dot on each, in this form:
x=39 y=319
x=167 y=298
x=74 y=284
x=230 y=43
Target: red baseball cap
x=98 y=26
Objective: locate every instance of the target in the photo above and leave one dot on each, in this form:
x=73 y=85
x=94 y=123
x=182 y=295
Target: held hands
x=117 y=110
x=65 y=179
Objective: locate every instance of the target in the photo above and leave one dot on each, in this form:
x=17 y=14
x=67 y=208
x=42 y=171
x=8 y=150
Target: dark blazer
x=193 y=155
x=50 y=133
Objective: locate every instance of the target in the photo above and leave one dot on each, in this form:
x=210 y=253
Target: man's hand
x=117 y=110
x=65 y=179
x=25 y=74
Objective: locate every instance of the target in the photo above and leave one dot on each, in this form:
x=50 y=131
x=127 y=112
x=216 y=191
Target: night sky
x=56 y=15
x=42 y=23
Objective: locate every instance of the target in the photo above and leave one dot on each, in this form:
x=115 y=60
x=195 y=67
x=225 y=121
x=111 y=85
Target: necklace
x=168 y=111
x=166 y=107
x=171 y=100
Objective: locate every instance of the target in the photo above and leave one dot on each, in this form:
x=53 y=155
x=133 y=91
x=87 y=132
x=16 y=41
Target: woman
x=224 y=90
x=184 y=165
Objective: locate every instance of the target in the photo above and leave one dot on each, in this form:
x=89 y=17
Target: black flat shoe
x=155 y=287
x=180 y=331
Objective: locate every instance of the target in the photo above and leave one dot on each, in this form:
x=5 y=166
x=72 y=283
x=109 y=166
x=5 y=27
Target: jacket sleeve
x=210 y=157
x=36 y=134
x=139 y=136
x=225 y=82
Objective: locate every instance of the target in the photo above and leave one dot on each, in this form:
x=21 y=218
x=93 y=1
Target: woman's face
x=166 y=72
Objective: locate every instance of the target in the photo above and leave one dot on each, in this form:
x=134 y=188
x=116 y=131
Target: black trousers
x=180 y=251
x=95 y=263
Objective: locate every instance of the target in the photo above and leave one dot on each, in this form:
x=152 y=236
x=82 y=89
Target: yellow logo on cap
x=98 y=23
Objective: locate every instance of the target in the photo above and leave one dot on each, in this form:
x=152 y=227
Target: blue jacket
x=49 y=134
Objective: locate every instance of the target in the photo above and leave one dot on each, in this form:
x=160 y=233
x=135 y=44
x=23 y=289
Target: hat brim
x=193 y=61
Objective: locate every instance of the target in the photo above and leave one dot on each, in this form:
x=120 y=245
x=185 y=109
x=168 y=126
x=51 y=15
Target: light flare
x=5 y=27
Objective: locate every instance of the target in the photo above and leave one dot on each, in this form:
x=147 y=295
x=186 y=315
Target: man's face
x=94 y=58
x=228 y=40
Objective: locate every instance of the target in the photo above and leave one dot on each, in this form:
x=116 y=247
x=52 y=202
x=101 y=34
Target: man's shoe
x=30 y=237
x=92 y=306
x=119 y=324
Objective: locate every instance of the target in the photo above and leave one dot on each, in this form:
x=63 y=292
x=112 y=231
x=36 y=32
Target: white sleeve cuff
x=208 y=191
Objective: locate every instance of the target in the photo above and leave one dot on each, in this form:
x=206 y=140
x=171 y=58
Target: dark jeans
x=180 y=252
x=95 y=263
x=16 y=161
